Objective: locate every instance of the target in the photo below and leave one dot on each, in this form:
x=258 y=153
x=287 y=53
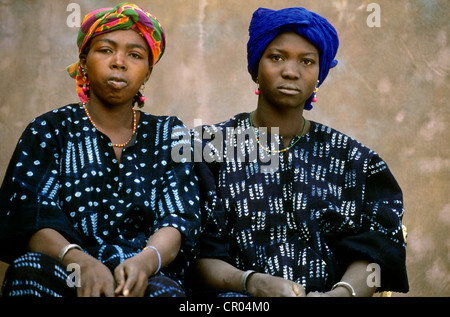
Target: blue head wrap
x=266 y=24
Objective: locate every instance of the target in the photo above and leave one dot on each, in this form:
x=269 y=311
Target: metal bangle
x=66 y=249
x=347 y=286
x=157 y=253
x=245 y=278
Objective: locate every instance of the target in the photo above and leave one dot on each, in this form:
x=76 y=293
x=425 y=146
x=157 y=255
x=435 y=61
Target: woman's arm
x=356 y=276
x=96 y=279
x=167 y=241
x=218 y=274
x=49 y=241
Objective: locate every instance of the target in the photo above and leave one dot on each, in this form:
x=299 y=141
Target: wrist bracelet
x=66 y=249
x=245 y=278
x=157 y=253
x=347 y=286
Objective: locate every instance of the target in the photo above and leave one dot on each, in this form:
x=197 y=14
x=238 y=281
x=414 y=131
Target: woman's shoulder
x=170 y=120
x=240 y=119
x=58 y=116
x=335 y=139
x=235 y=121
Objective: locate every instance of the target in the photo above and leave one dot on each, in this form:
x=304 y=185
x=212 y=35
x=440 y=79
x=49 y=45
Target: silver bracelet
x=157 y=253
x=347 y=286
x=245 y=278
x=66 y=249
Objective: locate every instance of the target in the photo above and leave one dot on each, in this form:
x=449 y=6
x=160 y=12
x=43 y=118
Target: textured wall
x=390 y=89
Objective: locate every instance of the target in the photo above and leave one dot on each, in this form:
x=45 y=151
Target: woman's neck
x=289 y=122
x=110 y=118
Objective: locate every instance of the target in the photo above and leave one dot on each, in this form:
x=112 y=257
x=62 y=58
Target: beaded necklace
x=279 y=151
x=119 y=145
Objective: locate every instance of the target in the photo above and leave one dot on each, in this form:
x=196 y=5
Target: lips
x=117 y=82
x=288 y=89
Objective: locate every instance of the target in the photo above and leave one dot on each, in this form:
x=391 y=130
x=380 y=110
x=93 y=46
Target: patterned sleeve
x=214 y=239
x=380 y=237
x=178 y=204
x=28 y=196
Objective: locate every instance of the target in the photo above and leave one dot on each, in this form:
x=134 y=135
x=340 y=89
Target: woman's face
x=117 y=64
x=288 y=71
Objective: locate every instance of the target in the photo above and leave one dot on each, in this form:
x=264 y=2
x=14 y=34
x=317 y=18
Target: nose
x=291 y=70
x=118 y=61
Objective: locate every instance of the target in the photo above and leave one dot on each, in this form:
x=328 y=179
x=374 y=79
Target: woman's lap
x=39 y=275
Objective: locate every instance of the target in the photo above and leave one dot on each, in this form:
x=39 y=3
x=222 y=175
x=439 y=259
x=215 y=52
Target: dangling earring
x=142 y=97
x=257 y=92
x=139 y=98
x=314 y=98
x=85 y=88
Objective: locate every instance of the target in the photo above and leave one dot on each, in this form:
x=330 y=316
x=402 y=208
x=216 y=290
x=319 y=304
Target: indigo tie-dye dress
x=304 y=214
x=64 y=175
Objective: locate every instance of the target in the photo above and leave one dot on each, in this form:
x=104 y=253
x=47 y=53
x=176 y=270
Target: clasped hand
x=265 y=285
x=130 y=278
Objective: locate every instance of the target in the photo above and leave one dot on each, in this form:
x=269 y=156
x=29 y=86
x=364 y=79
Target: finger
x=143 y=284
x=94 y=292
x=140 y=285
x=138 y=289
x=103 y=288
x=85 y=290
x=107 y=288
x=315 y=294
x=109 y=292
x=298 y=290
x=82 y=291
x=119 y=275
x=129 y=284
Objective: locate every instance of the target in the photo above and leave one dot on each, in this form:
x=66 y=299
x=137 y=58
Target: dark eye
x=136 y=55
x=276 y=58
x=105 y=50
x=307 y=62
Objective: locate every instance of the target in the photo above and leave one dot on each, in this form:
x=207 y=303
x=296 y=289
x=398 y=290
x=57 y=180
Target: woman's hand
x=356 y=275
x=95 y=277
x=265 y=285
x=132 y=275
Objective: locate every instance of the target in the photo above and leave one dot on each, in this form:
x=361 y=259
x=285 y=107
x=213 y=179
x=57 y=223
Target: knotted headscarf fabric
x=124 y=16
x=266 y=24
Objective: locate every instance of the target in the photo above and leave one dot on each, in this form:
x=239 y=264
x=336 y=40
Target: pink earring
x=142 y=97
x=257 y=92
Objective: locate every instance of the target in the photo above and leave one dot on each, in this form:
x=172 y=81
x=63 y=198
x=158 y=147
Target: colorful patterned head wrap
x=124 y=16
x=266 y=24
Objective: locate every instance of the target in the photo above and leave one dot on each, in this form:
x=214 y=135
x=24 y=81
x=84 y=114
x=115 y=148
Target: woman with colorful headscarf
x=92 y=203
x=293 y=207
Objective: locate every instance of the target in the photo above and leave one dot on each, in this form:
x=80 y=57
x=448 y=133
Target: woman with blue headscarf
x=293 y=207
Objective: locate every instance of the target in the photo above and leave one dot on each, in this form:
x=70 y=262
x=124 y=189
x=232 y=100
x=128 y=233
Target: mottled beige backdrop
x=390 y=89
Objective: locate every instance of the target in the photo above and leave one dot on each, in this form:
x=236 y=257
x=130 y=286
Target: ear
x=149 y=72
x=83 y=60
